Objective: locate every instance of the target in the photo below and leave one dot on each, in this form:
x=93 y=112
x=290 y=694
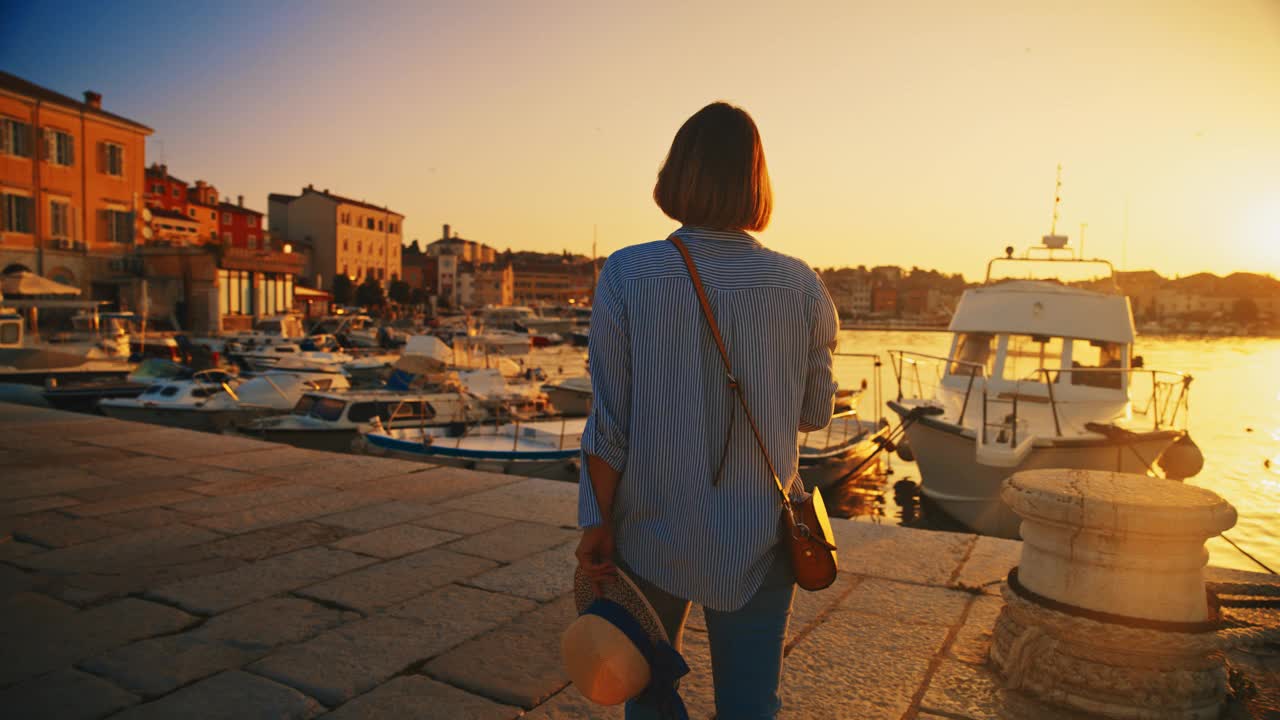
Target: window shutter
x=102 y=157
x=6 y=129
x=50 y=146
x=71 y=149
x=4 y=212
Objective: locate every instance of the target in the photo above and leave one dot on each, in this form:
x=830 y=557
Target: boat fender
x=905 y=452
x=1182 y=459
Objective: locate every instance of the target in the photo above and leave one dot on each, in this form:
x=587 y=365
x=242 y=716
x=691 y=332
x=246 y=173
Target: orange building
x=71 y=184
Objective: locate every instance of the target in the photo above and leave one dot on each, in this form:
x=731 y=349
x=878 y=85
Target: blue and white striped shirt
x=661 y=406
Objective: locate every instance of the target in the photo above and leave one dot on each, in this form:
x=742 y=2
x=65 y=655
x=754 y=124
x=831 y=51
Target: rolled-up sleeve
x=609 y=358
x=820 y=382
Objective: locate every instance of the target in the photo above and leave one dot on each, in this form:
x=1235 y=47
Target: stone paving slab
x=281 y=513
x=136 y=547
x=354 y=658
x=84 y=634
x=484 y=666
x=372 y=517
x=512 y=541
x=549 y=502
x=277 y=540
x=233 y=695
x=395 y=581
x=419 y=698
x=215 y=593
x=925 y=558
x=66 y=695
x=158 y=665
x=542 y=576
x=394 y=541
x=463 y=522
x=434 y=485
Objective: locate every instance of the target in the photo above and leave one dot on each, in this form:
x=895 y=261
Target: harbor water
x=1235 y=419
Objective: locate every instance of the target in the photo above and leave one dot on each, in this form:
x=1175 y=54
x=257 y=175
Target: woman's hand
x=595 y=555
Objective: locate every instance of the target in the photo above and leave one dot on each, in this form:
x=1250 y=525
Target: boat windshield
x=974 y=349
x=1093 y=356
x=305 y=403
x=1026 y=354
x=329 y=409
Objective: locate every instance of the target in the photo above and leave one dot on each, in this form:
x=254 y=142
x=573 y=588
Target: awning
x=28 y=283
x=306 y=292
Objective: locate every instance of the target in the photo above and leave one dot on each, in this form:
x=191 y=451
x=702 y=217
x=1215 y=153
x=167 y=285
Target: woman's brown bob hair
x=715 y=175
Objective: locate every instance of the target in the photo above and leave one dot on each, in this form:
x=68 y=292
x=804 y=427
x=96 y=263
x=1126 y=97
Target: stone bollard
x=1107 y=610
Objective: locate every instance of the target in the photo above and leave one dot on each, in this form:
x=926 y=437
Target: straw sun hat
x=616 y=650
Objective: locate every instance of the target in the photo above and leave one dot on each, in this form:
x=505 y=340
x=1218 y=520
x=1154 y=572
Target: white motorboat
x=333 y=420
x=570 y=395
x=87 y=349
x=1039 y=375
x=214 y=401
x=492 y=342
x=292 y=358
x=547 y=448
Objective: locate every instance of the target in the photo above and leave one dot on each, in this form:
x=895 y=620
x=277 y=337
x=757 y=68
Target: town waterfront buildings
x=339 y=235
x=71 y=185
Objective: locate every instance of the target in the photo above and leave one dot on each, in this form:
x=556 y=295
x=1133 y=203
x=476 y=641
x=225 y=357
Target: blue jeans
x=746 y=645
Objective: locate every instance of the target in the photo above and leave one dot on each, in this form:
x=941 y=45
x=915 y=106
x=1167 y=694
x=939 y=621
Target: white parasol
x=28 y=283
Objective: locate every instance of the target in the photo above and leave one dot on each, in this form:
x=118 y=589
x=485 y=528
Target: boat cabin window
x=153 y=390
x=10 y=332
x=169 y=391
x=305 y=403
x=204 y=392
x=328 y=408
x=365 y=411
x=974 y=349
x=1092 y=358
x=1027 y=354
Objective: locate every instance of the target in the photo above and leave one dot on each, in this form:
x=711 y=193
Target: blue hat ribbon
x=666 y=665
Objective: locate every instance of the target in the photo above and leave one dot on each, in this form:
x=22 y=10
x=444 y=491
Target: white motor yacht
x=1039 y=375
x=333 y=420
x=292 y=358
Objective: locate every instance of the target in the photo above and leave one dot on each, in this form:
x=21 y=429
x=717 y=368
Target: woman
x=674 y=488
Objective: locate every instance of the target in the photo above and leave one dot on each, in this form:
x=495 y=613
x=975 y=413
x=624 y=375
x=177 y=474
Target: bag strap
x=734 y=385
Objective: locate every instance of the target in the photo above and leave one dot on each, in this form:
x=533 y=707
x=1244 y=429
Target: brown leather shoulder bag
x=805 y=526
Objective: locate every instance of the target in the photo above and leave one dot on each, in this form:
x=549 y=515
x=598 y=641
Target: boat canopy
x=1032 y=307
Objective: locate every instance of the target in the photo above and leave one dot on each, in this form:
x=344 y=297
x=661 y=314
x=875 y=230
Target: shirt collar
x=702 y=233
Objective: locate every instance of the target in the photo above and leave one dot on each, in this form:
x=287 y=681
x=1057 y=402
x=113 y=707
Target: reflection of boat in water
x=546 y=448
x=1039 y=375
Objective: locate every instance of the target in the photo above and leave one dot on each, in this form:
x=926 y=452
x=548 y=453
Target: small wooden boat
x=542 y=448
x=832 y=455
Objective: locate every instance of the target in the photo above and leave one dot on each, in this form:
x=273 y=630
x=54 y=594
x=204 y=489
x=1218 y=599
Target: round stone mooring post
x=1107 y=610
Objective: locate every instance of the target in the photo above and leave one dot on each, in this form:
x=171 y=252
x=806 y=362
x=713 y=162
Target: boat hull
x=547 y=464
x=954 y=482
x=213 y=421
x=829 y=469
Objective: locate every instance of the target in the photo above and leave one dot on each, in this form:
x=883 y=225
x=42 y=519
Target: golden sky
x=911 y=133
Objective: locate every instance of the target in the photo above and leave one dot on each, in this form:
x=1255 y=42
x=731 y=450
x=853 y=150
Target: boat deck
x=156 y=573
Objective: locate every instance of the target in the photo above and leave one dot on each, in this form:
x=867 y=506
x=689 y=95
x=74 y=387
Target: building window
x=19 y=214
x=15 y=138
x=59 y=219
x=213 y=215
x=113 y=159
x=59 y=147
x=253 y=242
x=346 y=245
x=369 y=223
x=226 y=238
x=379 y=224
x=235 y=296
x=359 y=246
x=191 y=212
x=119 y=226
x=226 y=218
x=177 y=192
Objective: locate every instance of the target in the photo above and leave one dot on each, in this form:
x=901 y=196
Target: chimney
x=326 y=191
x=311 y=186
x=93 y=99
x=446 y=231
x=240 y=200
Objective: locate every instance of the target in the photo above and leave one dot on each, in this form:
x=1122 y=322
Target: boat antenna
x=1057 y=198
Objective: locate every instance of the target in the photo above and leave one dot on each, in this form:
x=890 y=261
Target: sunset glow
x=904 y=133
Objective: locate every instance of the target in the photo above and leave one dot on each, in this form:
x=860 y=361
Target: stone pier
x=157 y=573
